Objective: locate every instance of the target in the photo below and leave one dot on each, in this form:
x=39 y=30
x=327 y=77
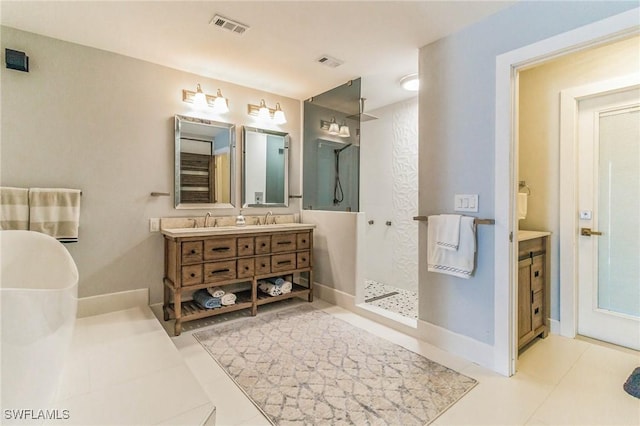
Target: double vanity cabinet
x=533 y=286
x=197 y=258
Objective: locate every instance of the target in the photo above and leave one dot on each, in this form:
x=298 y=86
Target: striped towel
x=55 y=212
x=14 y=208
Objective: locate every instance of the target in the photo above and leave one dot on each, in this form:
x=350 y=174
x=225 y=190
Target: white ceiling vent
x=229 y=24
x=329 y=61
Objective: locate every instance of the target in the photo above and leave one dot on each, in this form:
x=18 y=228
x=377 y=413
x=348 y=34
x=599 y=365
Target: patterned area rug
x=304 y=366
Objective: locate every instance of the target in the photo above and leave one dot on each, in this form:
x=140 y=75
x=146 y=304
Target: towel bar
x=476 y=221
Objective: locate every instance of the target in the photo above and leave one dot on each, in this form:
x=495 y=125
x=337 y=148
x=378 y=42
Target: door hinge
x=511 y=236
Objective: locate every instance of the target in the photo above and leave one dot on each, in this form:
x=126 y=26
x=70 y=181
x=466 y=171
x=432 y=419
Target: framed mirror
x=265 y=168
x=204 y=163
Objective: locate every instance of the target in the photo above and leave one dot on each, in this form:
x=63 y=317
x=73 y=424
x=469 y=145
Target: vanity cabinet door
x=191 y=275
x=263 y=265
x=303 y=259
x=245 y=268
x=245 y=246
x=303 y=240
x=219 y=248
x=192 y=252
x=263 y=244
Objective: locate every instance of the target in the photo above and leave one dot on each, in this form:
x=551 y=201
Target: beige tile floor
x=560 y=381
x=123 y=370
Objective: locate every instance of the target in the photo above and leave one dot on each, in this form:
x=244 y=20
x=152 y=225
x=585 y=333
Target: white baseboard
x=457 y=344
x=554 y=326
x=111 y=302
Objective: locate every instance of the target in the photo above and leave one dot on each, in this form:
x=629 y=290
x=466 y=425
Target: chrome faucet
x=207 y=216
x=195 y=222
x=266 y=217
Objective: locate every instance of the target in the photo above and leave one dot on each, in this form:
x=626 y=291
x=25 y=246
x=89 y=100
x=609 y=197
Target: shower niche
x=332 y=149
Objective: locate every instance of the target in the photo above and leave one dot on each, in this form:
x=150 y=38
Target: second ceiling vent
x=229 y=24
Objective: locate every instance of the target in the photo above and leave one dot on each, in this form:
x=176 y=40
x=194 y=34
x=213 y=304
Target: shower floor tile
x=393 y=299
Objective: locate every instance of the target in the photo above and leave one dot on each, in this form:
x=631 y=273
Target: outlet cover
x=154 y=224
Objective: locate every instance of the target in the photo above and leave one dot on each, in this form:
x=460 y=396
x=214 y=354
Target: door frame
x=508 y=65
x=569 y=100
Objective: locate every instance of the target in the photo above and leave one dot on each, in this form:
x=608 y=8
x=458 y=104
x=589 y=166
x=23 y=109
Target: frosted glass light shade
x=278 y=115
x=344 y=131
x=199 y=99
x=220 y=105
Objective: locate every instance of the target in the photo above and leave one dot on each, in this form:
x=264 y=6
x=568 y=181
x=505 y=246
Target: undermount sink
x=235 y=229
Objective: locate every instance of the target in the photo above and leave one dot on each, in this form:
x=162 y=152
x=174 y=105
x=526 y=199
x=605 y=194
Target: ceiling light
x=410 y=82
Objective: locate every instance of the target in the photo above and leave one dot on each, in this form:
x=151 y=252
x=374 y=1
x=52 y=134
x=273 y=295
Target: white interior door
x=609 y=224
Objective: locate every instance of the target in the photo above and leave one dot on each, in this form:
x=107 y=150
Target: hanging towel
x=269 y=288
x=522 y=205
x=460 y=263
x=204 y=299
x=216 y=291
x=448 y=231
x=228 y=299
x=55 y=212
x=14 y=208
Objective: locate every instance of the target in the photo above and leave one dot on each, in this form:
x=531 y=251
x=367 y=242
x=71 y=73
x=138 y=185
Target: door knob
x=587 y=232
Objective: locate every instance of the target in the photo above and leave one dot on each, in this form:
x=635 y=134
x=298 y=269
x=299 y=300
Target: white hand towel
x=216 y=292
x=460 y=263
x=522 y=205
x=55 y=212
x=228 y=299
x=286 y=287
x=14 y=208
x=448 y=231
x=269 y=288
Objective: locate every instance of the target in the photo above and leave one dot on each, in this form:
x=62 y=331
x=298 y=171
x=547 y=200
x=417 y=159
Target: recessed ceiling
x=377 y=40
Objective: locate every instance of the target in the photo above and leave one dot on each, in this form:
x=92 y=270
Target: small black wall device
x=17 y=60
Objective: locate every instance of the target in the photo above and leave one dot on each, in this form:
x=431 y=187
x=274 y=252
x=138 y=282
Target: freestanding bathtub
x=38 y=296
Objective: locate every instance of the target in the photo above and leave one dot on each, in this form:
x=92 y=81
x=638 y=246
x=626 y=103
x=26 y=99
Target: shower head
x=362 y=116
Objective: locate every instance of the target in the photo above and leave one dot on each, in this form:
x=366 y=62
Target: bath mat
x=632 y=385
x=304 y=366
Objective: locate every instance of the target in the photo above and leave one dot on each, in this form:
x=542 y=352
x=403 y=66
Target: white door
x=609 y=224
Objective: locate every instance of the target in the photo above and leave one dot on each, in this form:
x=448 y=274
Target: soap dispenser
x=240 y=220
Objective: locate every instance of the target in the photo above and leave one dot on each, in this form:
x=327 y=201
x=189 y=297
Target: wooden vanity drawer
x=191 y=275
x=192 y=252
x=283 y=262
x=219 y=271
x=245 y=246
x=528 y=247
x=263 y=265
x=283 y=242
x=536 y=310
x=537 y=273
x=263 y=244
x=303 y=240
x=245 y=268
x=219 y=248
x=303 y=259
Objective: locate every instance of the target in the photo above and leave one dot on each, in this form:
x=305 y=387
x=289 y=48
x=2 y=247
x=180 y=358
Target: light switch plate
x=465 y=202
x=154 y=224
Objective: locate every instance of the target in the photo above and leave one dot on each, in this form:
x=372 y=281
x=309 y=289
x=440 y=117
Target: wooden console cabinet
x=533 y=288
x=194 y=262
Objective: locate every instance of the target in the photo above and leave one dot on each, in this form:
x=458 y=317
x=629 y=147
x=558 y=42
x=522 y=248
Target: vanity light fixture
x=278 y=115
x=331 y=126
x=410 y=82
x=199 y=99
x=344 y=130
x=264 y=113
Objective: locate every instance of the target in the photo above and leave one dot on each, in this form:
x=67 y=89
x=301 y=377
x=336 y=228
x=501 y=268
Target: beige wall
x=89 y=119
x=539 y=131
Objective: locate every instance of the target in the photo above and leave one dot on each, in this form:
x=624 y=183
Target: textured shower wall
x=389 y=192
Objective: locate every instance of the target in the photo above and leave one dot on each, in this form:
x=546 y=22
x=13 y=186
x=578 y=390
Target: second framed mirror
x=265 y=168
